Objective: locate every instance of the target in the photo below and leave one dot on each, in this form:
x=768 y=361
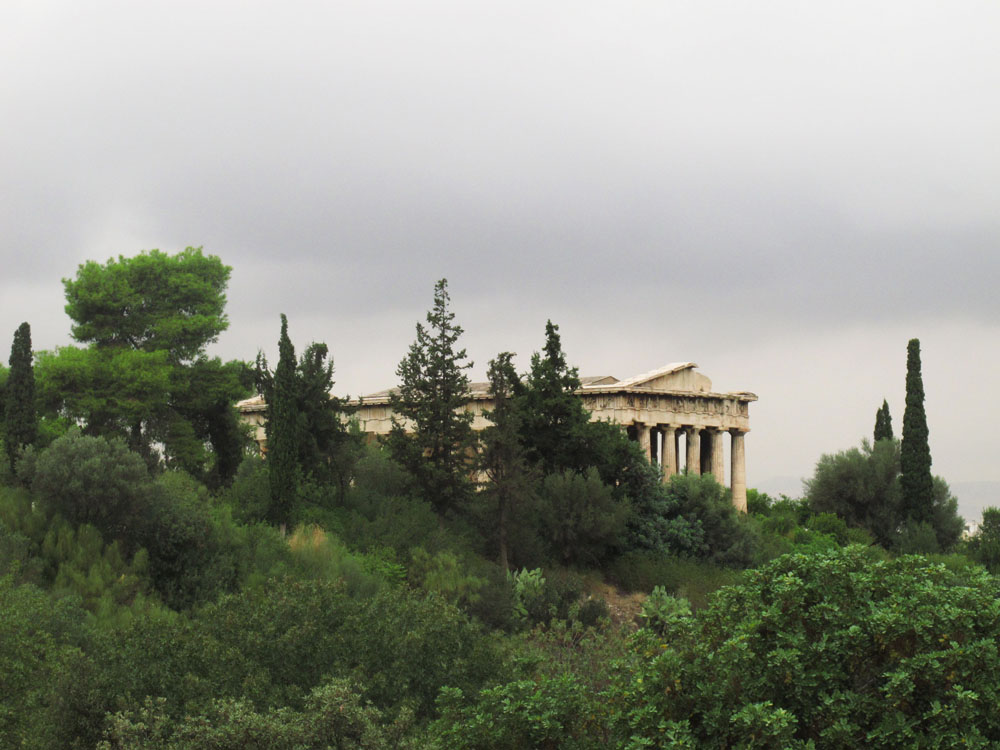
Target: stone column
x=642 y=433
x=669 y=451
x=718 y=457
x=738 y=470
x=693 y=463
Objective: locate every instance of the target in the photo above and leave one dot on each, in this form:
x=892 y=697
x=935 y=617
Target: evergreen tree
x=883 y=423
x=430 y=403
x=144 y=375
x=326 y=449
x=282 y=430
x=553 y=419
x=511 y=479
x=20 y=417
x=916 y=482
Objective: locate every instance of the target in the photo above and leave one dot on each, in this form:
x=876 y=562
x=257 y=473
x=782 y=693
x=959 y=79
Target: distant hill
x=973 y=497
x=775 y=486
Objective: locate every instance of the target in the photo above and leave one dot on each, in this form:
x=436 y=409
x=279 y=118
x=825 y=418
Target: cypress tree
x=883 y=423
x=916 y=482
x=20 y=417
x=282 y=430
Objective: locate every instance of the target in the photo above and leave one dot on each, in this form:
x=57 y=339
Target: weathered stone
x=675 y=397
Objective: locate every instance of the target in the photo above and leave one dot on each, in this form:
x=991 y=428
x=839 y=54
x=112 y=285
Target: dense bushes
x=830 y=650
x=143 y=611
x=93 y=480
x=862 y=486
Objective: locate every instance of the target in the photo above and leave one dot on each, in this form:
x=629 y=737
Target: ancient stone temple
x=673 y=413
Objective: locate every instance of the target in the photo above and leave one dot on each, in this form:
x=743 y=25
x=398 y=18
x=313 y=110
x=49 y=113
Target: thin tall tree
x=282 y=431
x=916 y=481
x=20 y=417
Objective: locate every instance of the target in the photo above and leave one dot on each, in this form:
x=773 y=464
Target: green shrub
x=529 y=601
x=727 y=537
x=691 y=579
x=917 y=539
x=93 y=480
x=249 y=495
x=580 y=517
x=495 y=605
x=833 y=650
x=317 y=555
x=661 y=611
x=556 y=712
x=592 y=612
x=442 y=574
x=407 y=647
x=38 y=635
x=831 y=525
x=758 y=503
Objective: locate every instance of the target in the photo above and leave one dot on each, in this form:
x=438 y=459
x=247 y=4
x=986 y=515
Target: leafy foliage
x=333 y=718
x=37 y=637
x=661 y=611
x=151 y=302
x=96 y=481
x=833 y=650
x=144 y=376
x=984 y=547
x=580 y=517
x=863 y=486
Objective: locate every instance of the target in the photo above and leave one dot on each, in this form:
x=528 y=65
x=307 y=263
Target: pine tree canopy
x=150 y=302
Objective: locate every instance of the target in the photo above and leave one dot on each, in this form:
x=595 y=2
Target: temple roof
x=677 y=377
x=647 y=377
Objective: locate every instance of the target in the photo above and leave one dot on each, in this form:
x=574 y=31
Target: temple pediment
x=678 y=376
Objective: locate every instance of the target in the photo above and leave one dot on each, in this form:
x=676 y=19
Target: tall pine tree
x=883 y=423
x=282 y=431
x=553 y=419
x=431 y=434
x=20 y=417
x=916 y=482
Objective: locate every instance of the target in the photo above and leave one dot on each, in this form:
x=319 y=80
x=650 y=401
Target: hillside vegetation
x=164 y=586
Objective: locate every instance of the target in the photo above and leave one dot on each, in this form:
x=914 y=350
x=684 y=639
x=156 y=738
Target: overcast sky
x=781 y=192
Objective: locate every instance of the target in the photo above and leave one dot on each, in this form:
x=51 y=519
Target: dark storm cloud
x=656 y=176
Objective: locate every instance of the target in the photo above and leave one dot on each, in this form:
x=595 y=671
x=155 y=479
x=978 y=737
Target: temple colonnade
x=704 y=453
x=659 y=409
